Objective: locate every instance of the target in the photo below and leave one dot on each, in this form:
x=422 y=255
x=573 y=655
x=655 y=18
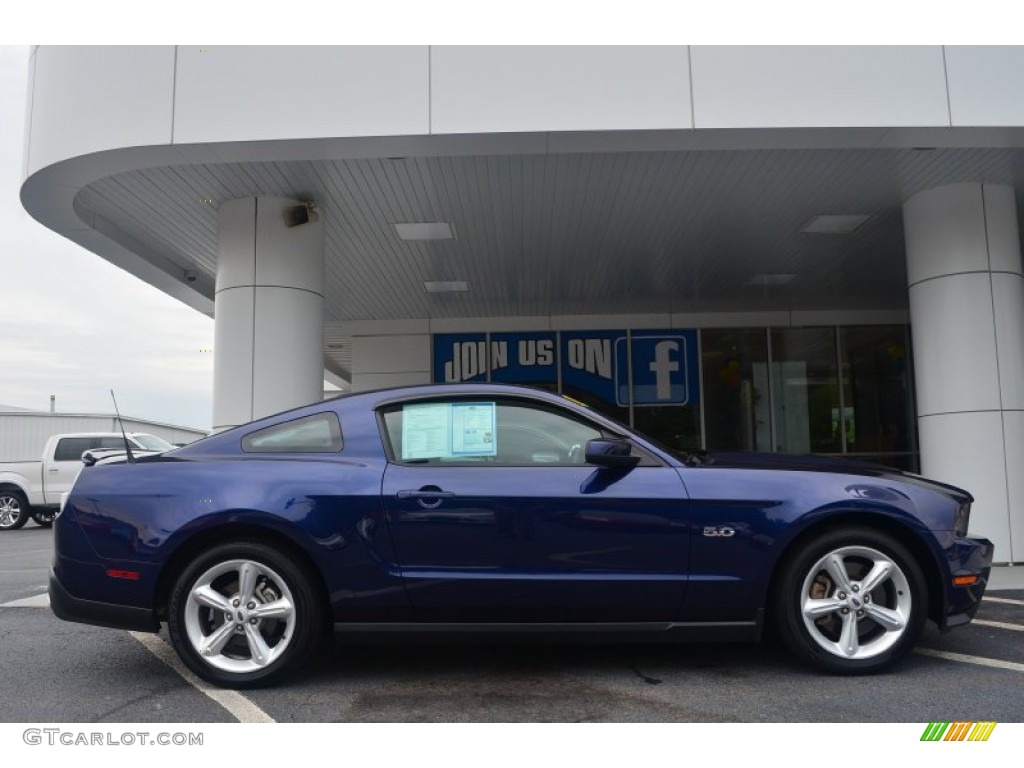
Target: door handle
x=53 y=470
x=425 y=494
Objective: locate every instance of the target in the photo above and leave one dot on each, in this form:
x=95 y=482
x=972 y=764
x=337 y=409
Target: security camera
x=301 y=214
x=191 y=275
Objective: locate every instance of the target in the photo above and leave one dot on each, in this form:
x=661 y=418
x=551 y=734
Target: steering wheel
x=574 y=454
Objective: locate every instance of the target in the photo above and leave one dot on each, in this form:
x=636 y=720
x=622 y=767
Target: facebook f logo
x=663 y=367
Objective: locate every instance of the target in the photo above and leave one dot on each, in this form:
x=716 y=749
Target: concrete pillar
x=967 y=318
x=268 y=315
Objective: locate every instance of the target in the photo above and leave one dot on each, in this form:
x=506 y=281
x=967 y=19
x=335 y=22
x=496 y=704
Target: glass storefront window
x=822 y=390
x=877 y=393
x=675 y=426
x=735 y=377
x=805 y=390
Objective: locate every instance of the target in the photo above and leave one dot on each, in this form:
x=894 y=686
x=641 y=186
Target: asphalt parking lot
x=53 y=671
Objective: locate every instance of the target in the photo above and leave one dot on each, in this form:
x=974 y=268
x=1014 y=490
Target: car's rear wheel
x=852 y=600
x=13 y=510
x=244 y=614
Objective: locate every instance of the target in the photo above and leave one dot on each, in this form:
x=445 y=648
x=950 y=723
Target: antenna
x=127 y=447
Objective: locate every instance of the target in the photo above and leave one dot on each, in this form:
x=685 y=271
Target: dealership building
x=790 y=249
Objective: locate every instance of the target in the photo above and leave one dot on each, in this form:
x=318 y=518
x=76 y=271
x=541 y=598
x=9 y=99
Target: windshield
x=152 y=443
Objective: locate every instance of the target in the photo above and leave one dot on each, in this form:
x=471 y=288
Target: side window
x=486 y=432
x=71 y=448
x=108 y=443
x=320 y=433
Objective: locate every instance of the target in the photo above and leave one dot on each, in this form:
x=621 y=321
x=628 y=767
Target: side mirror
x=611 y=453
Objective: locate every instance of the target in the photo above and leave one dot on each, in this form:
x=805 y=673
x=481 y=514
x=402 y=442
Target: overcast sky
x=74 y=325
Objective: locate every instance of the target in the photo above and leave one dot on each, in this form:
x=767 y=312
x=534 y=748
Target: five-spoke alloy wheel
x=243 y=614
x=851 y=600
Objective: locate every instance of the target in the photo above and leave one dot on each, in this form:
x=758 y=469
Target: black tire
x=843 y=631
x=193 y=624
x=14 y=510
x=44 y=516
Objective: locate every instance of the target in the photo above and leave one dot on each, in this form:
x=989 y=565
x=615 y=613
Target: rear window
x=320 y=433
x=72 y=448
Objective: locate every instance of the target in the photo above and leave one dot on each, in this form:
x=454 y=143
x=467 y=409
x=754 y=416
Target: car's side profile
x=491 y=508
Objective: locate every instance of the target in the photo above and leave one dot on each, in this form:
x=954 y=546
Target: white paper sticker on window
x=473 y=429
x=426 y=431
x=448 y=430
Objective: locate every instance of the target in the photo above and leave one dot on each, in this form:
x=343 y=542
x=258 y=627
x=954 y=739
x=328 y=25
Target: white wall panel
x=612 y=322
x=985 y=84
x=954 y=345
x=730 y=319
x=239 y=93
x=558 y=88
x=385 y=327
x=91 y=98
x=945 y=232
x=966 y=450
x=818 y=86
x=1013 y=428
x=29 y=93
x=364 y=381
x=850 y=317
x=390 y=354
x=1008 y=302
x=491 y=324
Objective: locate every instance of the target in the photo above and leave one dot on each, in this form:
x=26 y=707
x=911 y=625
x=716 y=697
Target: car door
x=496 y=517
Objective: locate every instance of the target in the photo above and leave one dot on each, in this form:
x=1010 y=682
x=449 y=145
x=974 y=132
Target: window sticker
x=473 y=429
x=426 y=431
x=448 y=430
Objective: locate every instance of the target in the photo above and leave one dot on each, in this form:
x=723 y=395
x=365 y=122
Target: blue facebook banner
x=588 y=362
x=665 y=368
x=664 y=363
x=524 y=357
x=460 y=357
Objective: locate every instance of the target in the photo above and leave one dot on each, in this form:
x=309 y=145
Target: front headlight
x=962 y=519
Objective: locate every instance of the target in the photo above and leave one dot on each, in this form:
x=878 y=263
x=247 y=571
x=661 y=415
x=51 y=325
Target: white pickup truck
x=33 y=488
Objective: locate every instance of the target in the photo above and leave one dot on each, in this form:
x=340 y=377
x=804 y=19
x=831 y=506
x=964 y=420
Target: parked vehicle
x=33 y=488
x=488 y=508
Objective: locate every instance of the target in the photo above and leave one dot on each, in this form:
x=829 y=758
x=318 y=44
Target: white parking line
x=998 y=625
x=240 y=708
x=36 y=601
x=981 y=661
x=1007 y=600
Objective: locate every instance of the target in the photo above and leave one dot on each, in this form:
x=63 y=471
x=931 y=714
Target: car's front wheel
x=244 y=614
x=13 y=510
x=852 y=600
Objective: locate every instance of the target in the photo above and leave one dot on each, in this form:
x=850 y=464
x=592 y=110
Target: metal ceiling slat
x=535 y=234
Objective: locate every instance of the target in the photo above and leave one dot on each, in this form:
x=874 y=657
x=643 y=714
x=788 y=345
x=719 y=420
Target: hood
x=797 y=463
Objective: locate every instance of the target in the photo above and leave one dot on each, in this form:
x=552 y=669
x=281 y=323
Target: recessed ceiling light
x=777 y=279
x=425 y=230
x=446 y=286
x=838 y=224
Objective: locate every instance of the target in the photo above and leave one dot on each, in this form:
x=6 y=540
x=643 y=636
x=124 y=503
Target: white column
x=967 y=318
x=268 y=315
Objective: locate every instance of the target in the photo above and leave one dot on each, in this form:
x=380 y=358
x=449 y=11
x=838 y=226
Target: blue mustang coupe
x=491 y=508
